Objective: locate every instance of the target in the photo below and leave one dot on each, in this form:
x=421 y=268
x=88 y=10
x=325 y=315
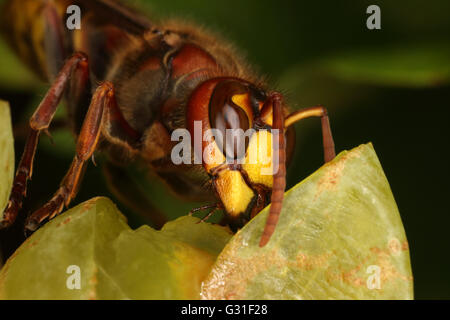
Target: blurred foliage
x=388 y=86
x=6 y=155
x=396 y=66
x=21 y=77
x=335 y=225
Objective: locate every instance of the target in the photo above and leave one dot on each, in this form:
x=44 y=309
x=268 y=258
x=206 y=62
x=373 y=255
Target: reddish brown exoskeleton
x=129 y=84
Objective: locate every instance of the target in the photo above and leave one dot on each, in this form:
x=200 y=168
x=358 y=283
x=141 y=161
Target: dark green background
x=388 y=86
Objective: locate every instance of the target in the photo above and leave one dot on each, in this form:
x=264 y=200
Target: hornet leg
x=96 y=121
x=39 y=122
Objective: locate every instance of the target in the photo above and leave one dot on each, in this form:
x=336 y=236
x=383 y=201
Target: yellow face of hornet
x=231 y=185
x=242 y=180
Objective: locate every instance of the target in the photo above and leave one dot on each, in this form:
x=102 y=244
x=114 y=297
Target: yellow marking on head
x=243 y=100
x=258 y=158
x=267 y=118
x=233 y=191
x=240 y=99
x=212 y=156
